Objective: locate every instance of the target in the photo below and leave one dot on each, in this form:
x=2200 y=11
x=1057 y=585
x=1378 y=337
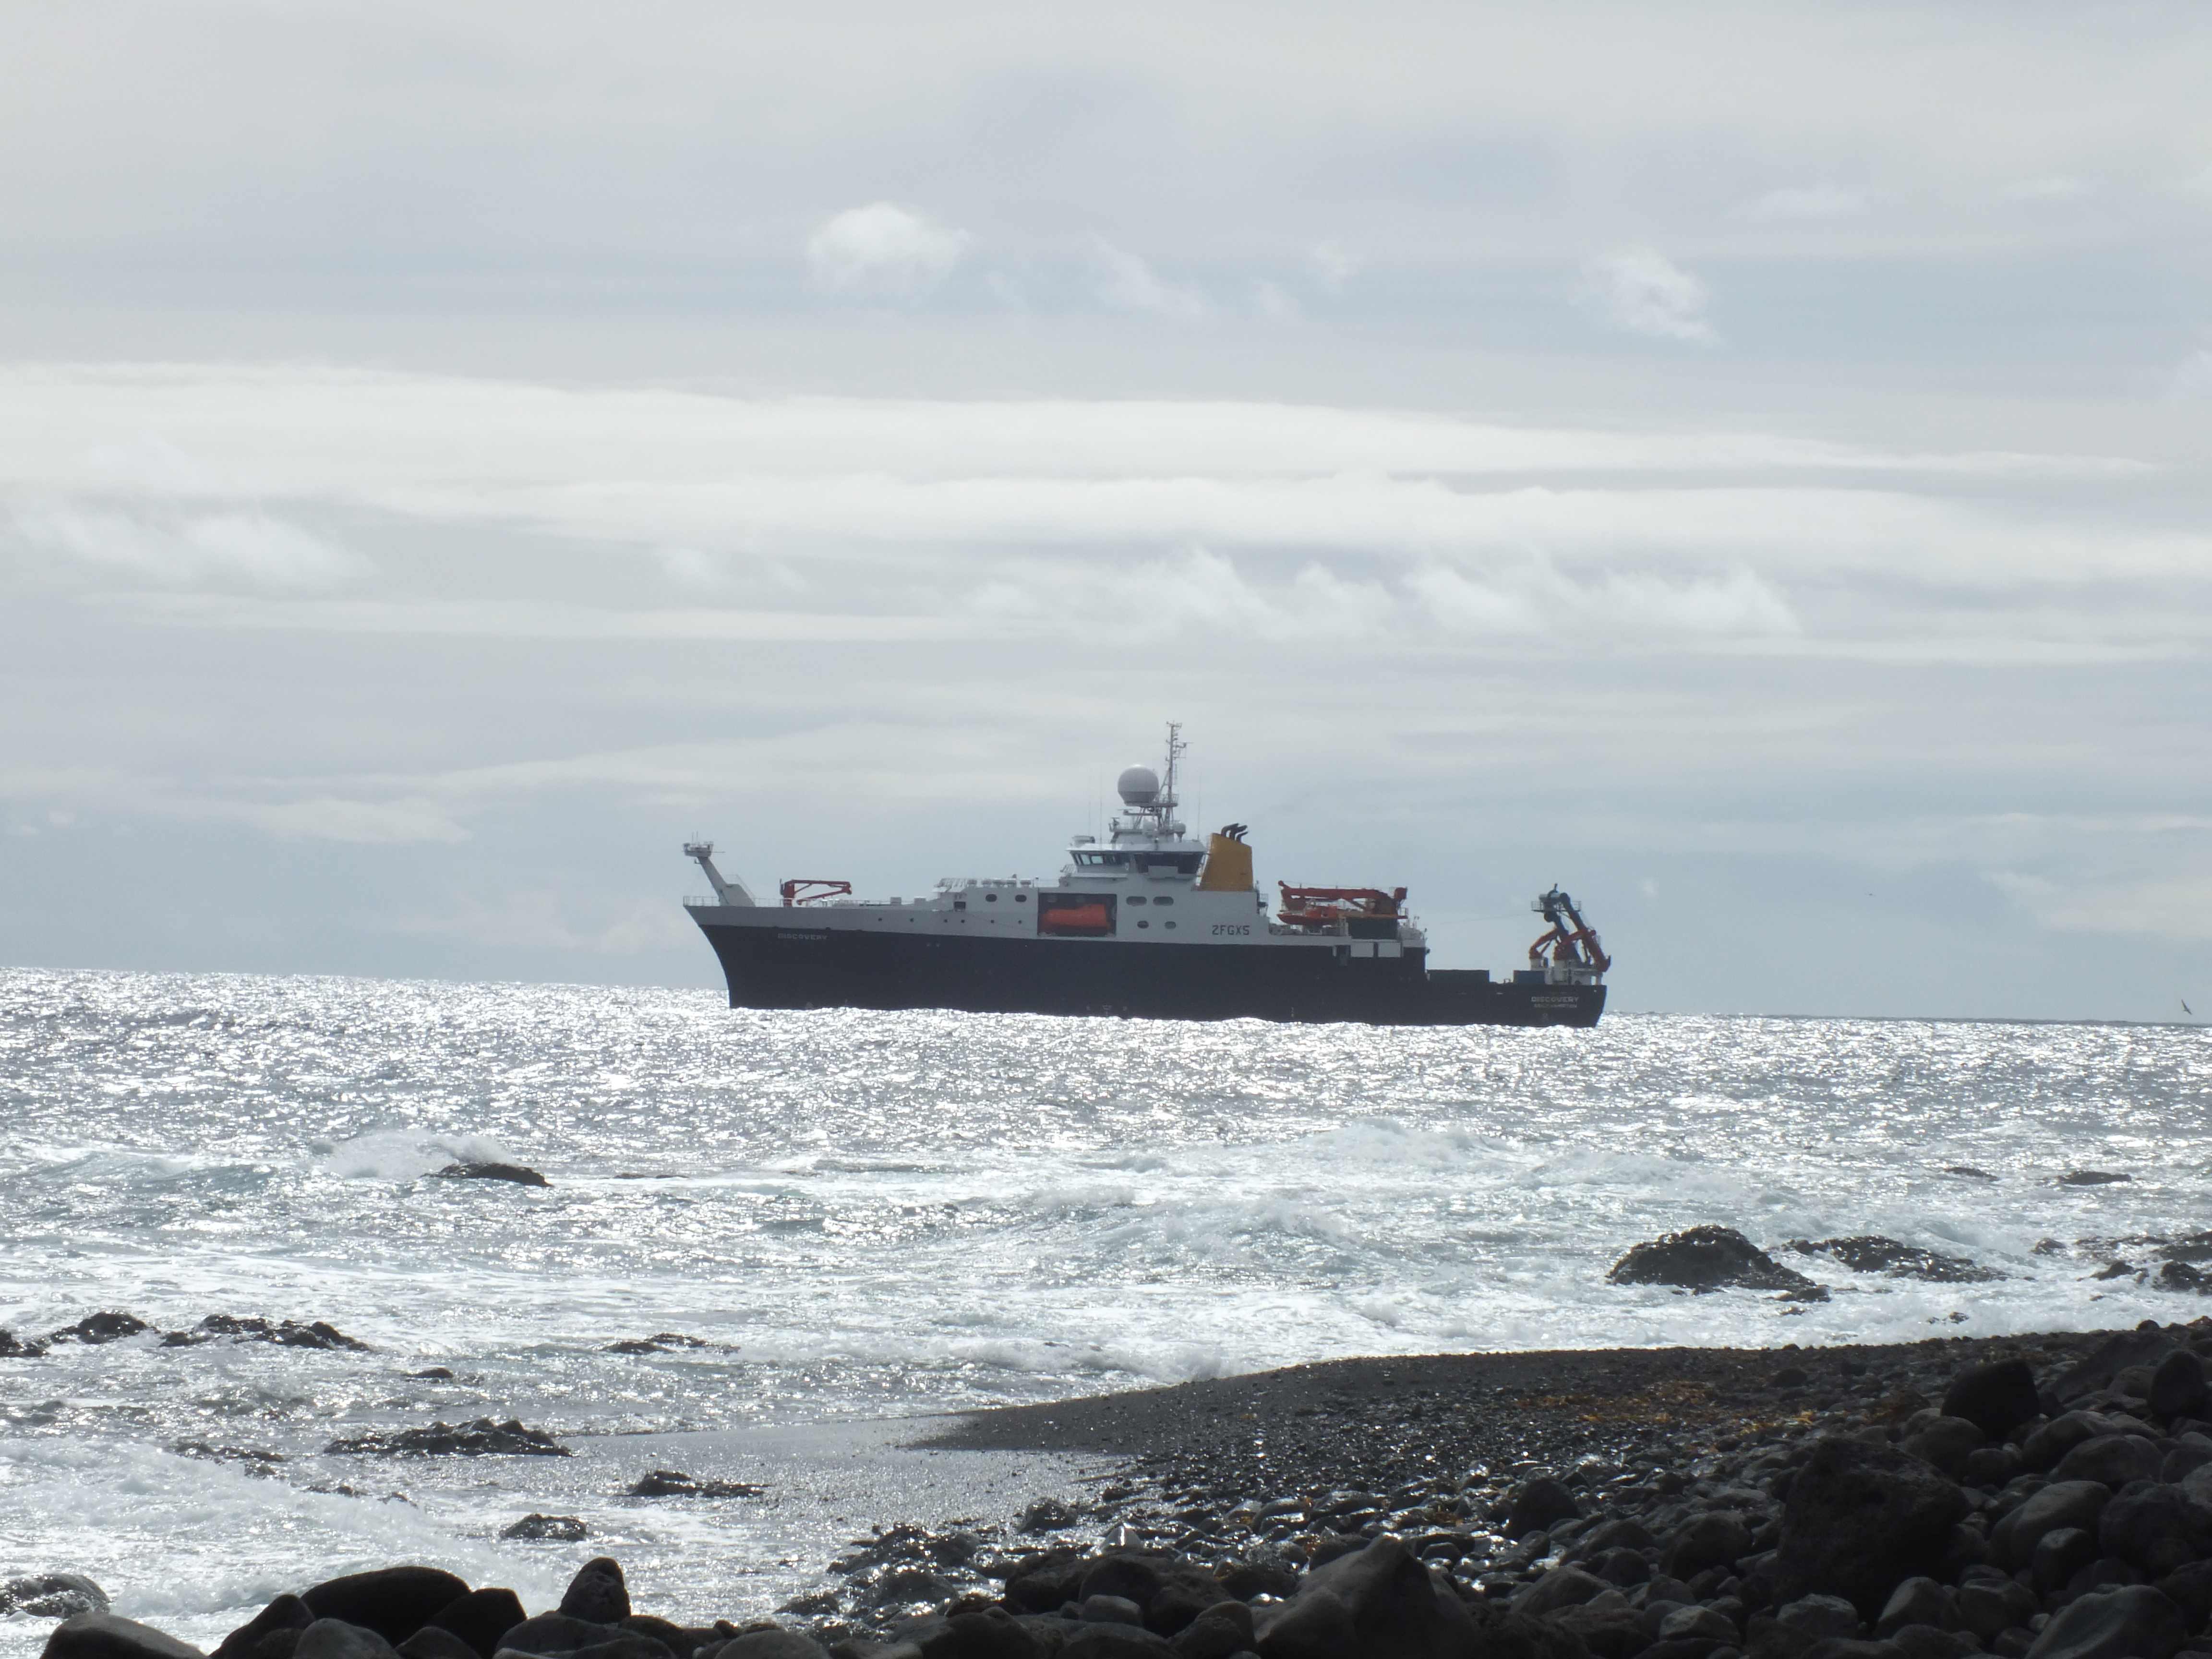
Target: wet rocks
x=393 y=1602
x=2092 y=1178
x=1705 y=1258
x=13 y=1348
x=660 y=1342
x=547 y=1528
x=2178 y=1387
x=273 y=1633
x=285 y=1333
x=1049 y=1515
x=1537 y=1505
x=1377 y=1603
x=334 y=1639
x=674 y=1483
x=50 y=1595
x=597 y=1593
x=514 y=1173
x=95 y=1329
x=1870 y=1253
x=481 y=1438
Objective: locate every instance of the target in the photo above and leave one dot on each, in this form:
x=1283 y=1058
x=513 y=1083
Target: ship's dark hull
x=795 y=966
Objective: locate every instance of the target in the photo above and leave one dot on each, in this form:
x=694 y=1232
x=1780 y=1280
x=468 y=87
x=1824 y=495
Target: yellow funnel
x=1228 y=866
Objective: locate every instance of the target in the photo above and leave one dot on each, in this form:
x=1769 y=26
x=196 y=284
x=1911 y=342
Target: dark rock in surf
x=95 y=1328
x=1860 y=1519
x=52 y=1595
x=1996 y=1399
x=597 y=1593
x=13 y=1348
x=2092 y=1178
x=393 y=1602
x=1706 y=1258
x=674 y=1483
x=1049 y=1515
x=548 y=1528
x=662 y=1342
x=1969 y=1171
x=2178 y=1387
x=514 y=1173
x=287 y=1333
x=2180 y=1276
x=103 y=1636
x=481 y=1438
x=1870 y=1253
x=2190 y=1247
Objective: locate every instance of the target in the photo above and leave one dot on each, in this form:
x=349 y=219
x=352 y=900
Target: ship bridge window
x=1094 y=861
x=1161 y=864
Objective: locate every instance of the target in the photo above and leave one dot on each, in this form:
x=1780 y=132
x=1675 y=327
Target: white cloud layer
x=1639 y=290
x=883 y=252
x=1812 y=202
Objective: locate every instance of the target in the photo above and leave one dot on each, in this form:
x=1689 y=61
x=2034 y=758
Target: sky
x=1746 y=463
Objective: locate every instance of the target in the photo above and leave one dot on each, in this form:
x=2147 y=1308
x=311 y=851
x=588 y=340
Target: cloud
x=1335 y=265
x=1127 y=284
x=2051 y=187
x=190 y=548
x=1639 y=290
x=883 y=252
x=1812 y=202
x=2175 y=907
x=1274 y=304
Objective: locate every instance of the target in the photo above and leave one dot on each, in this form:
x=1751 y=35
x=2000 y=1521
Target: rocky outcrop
x=481 y=1438
x=515 y=1174
x=1707 y=1259
x=1870 y=1253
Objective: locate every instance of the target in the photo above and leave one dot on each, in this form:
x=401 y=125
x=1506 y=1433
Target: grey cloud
x=1639 y=290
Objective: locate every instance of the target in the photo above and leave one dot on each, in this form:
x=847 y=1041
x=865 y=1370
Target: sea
x=844 y=1226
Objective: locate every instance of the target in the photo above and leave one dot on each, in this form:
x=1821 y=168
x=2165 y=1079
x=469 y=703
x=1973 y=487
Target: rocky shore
x=2038 y=1498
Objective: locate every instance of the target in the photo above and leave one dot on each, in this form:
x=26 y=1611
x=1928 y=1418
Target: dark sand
x=1376 y=1424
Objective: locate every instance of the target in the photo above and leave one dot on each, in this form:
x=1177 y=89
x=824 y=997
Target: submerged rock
x=286 y=1333
x=548 y=1528
x=1706 y=1258
x=660 y=1342
x=481 y=1438
x=13 y=1348
x=1871 y=1252
x=95 y=1328
x=514 y=1173
x=2092 y=1178
x=52 y=1595
x=674 y=1483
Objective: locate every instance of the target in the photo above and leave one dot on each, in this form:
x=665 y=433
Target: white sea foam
x=867 y=1215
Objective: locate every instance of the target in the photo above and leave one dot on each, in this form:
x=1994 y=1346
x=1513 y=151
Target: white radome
x=1139 y=785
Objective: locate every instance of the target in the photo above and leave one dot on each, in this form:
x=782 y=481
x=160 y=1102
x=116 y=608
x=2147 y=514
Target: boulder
x=1221 y=1632
x=1917 y=1602
x=2062 y=1552
x=557 y=1633
x=674 y=1483
x=2190 y=1588
x=2065 y=1503
x=1609 y=1632
x=436 y=1642
x=1705 y=1258
x=1697 y=1624
x=1927 y=1642
x=2136 y=1622
x=1946 y=1442
x=1715 y=1539
x=393 y=1602
x=1860 y=1519
x=623 y=1644
x=1386 y=1602
x=1990 y=1606
x=479 y=1619
x=1538 y=1505
x=52 y=1595
x=1095 y=1642
x=2154 y=1528
x=287 y=1615
x=334 y=1639
x=1818 y=1618
x=1559 y=1589
x=1871 y=1252
x=2146 y=1344
x=1110 y=1610
x=103 y=1636
x=95 y=1329
x=597 y=1593
x=2113 y=1459
x=2178 y=1387
x=2052 y=1442
x=1313 y=1626
x=1996 y=1399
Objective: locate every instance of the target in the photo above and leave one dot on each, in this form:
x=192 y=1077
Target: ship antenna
x=1176 y=746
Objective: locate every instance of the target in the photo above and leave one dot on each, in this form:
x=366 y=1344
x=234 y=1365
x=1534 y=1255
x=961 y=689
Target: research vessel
x=1143 y=921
